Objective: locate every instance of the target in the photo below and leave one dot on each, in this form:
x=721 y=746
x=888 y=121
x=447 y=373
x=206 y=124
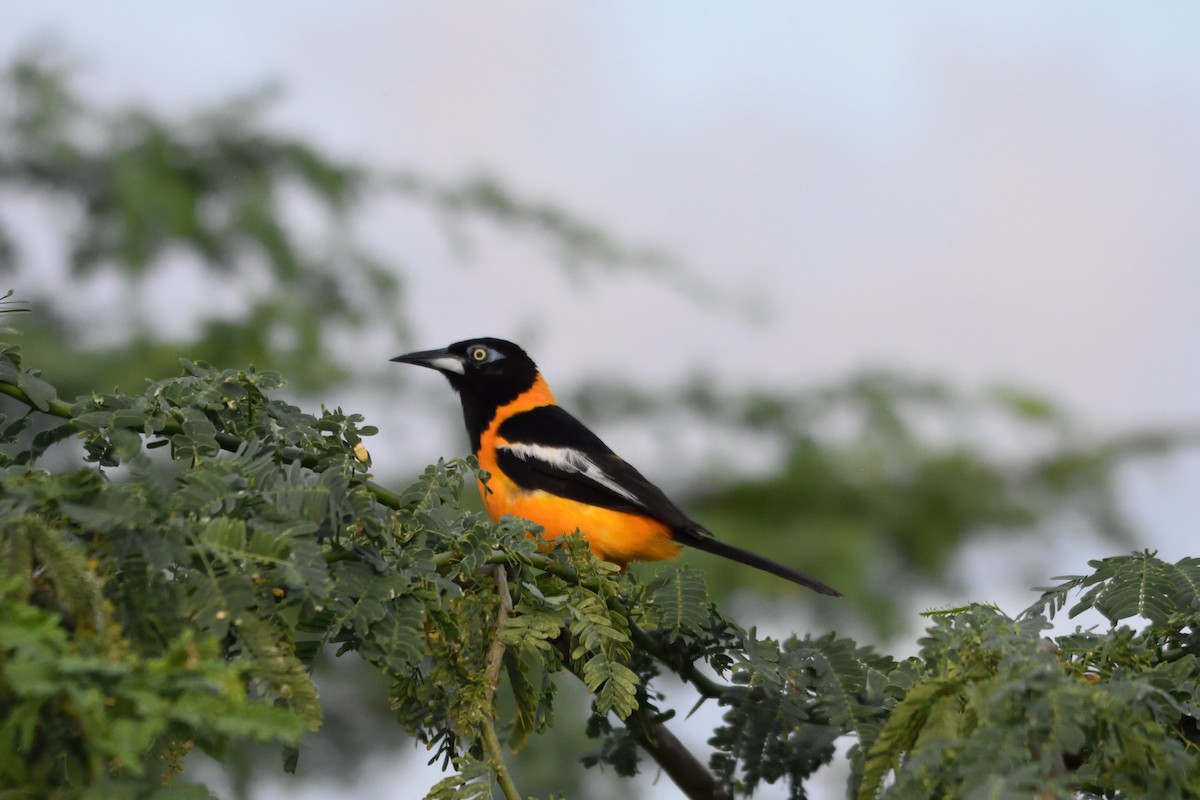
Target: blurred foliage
x=228 y=202
x=881 y=478
x=133 y=190
x=149 y=607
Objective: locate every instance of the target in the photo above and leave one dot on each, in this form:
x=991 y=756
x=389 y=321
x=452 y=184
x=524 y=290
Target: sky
x=980 y=192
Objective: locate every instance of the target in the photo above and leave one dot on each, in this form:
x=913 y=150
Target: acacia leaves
x=154 y=600
x=1124 y=587
x=259 y=541
x=993 y=708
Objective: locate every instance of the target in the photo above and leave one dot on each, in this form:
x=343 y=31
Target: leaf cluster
x=254 y=536
x=141 y=617
x=179 y=591
x=993 y=708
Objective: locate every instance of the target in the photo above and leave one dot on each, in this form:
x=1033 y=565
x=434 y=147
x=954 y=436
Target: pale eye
x=479 y=354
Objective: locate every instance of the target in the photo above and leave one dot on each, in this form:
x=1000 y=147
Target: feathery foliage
x=177 y=590
x=993 y=708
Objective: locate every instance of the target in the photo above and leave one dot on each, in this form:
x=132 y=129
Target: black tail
x=703 y=540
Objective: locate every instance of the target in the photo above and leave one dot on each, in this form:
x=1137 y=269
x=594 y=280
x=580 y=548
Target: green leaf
x=681 y=597
x=902 y=729
x=39 y=391
x=1136 y=586
x=471 y=781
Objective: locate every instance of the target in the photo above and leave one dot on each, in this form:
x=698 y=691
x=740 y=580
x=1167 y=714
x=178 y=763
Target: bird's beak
x=441 y=360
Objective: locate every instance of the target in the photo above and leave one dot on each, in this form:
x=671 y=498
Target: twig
x=686 y=670
x=539 y=560
x=681 y=766
x=495 y=660
x=687 y=771
x=55 y=408
x=492 y=745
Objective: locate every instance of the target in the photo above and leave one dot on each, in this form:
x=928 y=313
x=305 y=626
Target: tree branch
x=55 y=408
x=680 y=765
x=492 y=745
x=494 y=661
x=691 y=776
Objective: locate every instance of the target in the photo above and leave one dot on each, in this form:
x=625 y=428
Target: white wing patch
x=569 y=460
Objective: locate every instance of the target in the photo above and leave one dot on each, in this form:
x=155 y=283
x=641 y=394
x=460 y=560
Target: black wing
x=548 y=449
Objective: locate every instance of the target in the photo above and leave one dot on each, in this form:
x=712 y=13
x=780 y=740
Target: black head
x=487 y=373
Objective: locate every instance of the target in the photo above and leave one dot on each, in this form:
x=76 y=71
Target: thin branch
x=539 y=560
x=492 y=745
x=55 y=408
x=495 y=660
x=686 y=670
x=680 y=765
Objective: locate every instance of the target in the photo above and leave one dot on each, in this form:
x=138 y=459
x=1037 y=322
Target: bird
x=547 y=467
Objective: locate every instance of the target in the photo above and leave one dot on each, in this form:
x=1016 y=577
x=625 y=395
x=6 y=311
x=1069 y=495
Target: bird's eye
x=479 y=354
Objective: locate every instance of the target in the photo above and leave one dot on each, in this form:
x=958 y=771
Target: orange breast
x=612 y=535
